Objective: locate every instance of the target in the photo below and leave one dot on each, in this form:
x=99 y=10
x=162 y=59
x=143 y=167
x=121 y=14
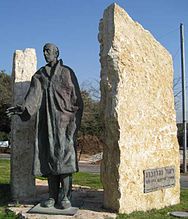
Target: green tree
x=5 y=102
x=91 y=122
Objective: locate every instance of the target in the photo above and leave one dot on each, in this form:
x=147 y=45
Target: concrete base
x=52 y=210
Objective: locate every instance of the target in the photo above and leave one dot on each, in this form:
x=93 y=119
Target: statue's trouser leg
x=66 y=190
x=53 y=184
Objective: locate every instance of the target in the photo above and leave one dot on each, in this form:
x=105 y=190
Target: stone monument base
x=53 y=210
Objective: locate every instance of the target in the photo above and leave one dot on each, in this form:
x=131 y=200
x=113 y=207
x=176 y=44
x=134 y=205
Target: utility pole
x=183 y=99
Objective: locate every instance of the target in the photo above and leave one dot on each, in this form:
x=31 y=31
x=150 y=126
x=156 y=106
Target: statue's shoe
x=64 y=204
x=48 y=203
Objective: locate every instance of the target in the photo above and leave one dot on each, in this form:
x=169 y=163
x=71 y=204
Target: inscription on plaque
x=159 y=178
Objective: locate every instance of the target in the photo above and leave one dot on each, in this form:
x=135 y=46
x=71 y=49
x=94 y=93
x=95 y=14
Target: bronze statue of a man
x=54 y=95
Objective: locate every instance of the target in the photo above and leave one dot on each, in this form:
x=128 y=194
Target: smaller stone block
x=22 y=133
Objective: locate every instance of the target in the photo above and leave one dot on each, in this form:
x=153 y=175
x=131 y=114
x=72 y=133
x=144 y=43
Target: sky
x=73 y=26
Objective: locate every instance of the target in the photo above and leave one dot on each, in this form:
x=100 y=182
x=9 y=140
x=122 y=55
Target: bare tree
x=92 y=88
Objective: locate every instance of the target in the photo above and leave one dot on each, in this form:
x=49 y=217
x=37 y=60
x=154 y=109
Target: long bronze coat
x=55 y=97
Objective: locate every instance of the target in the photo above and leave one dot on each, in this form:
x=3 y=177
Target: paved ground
x=90 y=168
x=83 y=166
x=184 y=181
x=4 y=156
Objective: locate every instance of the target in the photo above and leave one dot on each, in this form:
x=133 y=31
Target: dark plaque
x=159 y=178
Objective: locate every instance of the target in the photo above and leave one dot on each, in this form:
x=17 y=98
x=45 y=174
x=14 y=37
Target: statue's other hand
x=15 y=110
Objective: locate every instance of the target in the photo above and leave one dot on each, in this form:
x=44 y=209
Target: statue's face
x=50 y=53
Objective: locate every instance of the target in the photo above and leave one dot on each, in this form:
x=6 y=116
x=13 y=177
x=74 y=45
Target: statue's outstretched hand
x=16 y=110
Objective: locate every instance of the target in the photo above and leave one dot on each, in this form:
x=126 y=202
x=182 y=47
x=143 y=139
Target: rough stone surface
x=138 y=111
x=22 y=133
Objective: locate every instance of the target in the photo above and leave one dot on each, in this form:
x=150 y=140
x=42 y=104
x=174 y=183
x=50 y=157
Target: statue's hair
x=54 y=46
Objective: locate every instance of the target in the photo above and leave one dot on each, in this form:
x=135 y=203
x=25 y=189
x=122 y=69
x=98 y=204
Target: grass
x=162 y=213
x=85 y=179
x=4 y=171
x=5 y=195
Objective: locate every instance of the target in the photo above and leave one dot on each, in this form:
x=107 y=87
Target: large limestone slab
x=22 y=133
x=139 y=117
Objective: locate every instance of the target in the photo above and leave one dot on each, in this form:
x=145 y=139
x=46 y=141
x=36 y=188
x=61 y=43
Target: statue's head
x=51 y=52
